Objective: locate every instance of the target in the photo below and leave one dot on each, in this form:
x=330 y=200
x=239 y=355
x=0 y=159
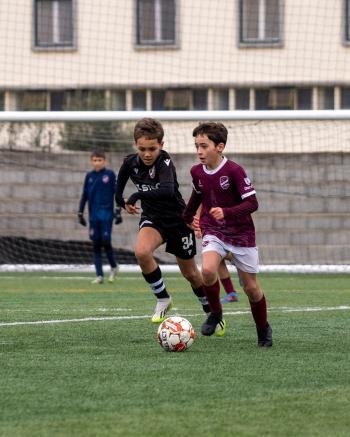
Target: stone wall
x=303 y=218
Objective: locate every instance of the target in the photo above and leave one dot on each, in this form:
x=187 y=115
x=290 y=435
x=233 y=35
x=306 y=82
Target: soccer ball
x=175 y=334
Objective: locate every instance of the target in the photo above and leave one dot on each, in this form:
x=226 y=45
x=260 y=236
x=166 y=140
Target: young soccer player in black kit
x=153 y=173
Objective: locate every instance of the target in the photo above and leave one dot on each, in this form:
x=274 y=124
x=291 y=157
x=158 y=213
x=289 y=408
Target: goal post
x=299 y=162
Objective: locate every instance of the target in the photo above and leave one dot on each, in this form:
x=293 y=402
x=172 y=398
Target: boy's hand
x=81 y=219
x=132 y=209
x=132 y=199
x=118 y=215
x=217 y=213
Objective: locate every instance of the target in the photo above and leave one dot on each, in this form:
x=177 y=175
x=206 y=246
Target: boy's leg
x=190 y=271
x=148 y=240
x=106 y=243
x=226 y=281
x=258 y=307
x=95 y=237
x=97 y=247
x=215 y=323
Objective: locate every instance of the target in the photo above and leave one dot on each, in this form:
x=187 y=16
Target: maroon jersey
x=229 y=188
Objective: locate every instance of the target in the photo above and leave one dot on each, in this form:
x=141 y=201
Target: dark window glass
x=200 y=99
x=57 y=100
x=139 y=100
x=118 y=100
x=326 y=98
x=259 y=21
x=31 y=101
x=242 y=98
x=345 y=98
x=85 y=100
x=220 y=99
x=53 y=23
x=347 y=20
x=304 y=98
x=156 y=22
x=262 y=99
x=158 y=97
x=2 y=101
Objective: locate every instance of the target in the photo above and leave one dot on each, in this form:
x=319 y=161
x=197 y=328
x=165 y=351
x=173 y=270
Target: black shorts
x=180 y=239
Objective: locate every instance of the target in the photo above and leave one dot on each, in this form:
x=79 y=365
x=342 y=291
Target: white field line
x=228 y=313
x=171 y=268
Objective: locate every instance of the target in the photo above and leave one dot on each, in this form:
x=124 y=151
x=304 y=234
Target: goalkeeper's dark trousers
x=98 y=255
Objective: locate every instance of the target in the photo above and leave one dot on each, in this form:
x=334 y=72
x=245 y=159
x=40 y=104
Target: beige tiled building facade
x=174 y=54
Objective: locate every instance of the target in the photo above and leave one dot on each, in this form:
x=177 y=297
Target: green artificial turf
x=101 y=372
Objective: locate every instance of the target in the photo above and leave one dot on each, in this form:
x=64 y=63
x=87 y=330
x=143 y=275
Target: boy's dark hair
x=150 y=129
x=216 y=132
x=98 y=153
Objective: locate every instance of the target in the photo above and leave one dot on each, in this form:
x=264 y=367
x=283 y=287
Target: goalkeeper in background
x=98 y=192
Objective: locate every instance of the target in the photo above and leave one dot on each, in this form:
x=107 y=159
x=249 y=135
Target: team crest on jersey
x=247 y=181
x=152 y=172
x=200 y=183
x=105 y=179
x=167 y=162
x=136 y=170
x=224 y=182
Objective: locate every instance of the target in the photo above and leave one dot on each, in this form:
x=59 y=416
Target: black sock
x=199 y=292
x=156 y=283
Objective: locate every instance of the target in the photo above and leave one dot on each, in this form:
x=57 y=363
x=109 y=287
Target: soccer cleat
x=162 y=307
x=230 y=297
x=212 y=325
x=97 y=280
x=113 y=274
x=265 y=336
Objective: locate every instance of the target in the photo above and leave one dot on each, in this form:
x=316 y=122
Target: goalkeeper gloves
x=118 y=216
x=81 y=219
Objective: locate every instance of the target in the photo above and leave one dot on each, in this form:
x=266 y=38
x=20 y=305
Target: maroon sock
x=259 y=312
x=228 y=285
x=213 y=295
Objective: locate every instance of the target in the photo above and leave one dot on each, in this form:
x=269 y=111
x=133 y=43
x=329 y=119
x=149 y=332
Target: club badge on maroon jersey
x=224 y=182
x=105 y=179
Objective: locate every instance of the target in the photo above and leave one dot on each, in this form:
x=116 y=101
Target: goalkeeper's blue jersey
x=98 y=192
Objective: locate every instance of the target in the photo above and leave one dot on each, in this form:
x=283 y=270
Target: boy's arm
x=83 y=200
x=123 y=176
x=192 y=206
x=248 y=206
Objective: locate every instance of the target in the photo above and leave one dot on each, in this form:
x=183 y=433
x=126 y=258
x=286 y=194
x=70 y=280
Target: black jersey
x=157 y=188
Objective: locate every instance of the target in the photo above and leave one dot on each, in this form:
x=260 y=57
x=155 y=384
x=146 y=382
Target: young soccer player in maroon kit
x=228 y=200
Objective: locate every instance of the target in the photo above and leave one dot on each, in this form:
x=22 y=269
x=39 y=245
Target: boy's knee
x=253 y=292
x=192 y=276
x=142 y=253
x=209 y=276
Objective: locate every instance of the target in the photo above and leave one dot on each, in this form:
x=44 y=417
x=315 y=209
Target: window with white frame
x=53 y=23
x=260 y=21
x=347 y=20
x=156 y=22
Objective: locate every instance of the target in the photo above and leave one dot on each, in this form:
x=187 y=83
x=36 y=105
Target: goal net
x=76 y=74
